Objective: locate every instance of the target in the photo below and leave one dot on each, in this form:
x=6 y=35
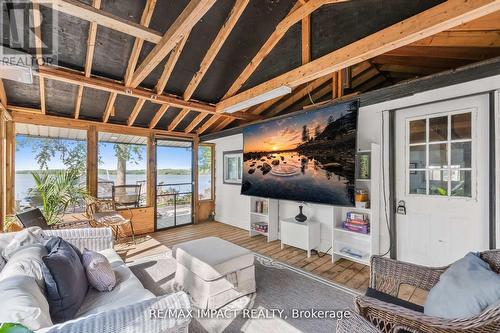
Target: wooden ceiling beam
x=207 y=124
x=170 y=64
x=105 y=19
x=147 y=13
x=110 y=105
x=3 y=94
x=315 y=96
x=306 y=39
x=409 y=69
x=35 y=116
x=297 y=13
x=135 y=111
x=37 y=22
x=196 y=121
x=427 y=23
x=419 y=61
x=214 y=49
x=463 y=39
x=89 y=57
x=193 y=12
x=225 y=123
x=488 y=22
x=161 y=111
x=365 y=76
x=182 y=113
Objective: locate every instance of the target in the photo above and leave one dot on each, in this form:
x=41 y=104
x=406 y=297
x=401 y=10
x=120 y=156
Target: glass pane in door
x=174 y=183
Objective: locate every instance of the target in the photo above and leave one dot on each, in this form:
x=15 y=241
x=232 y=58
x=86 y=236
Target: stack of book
x=357 y=222
x=260 y=227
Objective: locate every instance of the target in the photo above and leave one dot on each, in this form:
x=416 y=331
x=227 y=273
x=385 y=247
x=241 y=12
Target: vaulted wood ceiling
x=169 y=64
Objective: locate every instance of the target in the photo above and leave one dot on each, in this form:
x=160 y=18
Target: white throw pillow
x=26 y=261
x=23 y=302
x=99 y=272
x=25 y=237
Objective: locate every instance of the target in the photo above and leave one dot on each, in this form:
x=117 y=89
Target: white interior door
x=442 y=176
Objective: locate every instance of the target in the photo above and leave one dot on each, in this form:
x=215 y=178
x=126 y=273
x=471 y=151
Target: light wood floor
x=352 y=275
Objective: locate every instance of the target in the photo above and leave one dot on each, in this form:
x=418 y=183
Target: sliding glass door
x=174 y=183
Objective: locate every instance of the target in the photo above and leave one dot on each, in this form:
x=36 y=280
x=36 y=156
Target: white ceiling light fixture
x=271 y=94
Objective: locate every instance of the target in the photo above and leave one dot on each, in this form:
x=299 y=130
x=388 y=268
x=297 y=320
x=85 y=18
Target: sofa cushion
x=23 y=302
x=21 y=239
x=27 y=261
x=65 y=280
x=128 y=290
x=464 y=290
x=211 y=258
x=99 y=272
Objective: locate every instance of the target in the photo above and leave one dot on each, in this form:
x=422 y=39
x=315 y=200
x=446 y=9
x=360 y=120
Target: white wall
x=233 y=208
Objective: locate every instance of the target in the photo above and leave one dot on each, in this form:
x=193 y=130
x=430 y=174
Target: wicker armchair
x=104 y=213
x=355 y=323
x=387 y=275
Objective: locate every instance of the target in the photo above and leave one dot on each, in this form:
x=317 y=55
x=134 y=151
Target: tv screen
x=305 y=157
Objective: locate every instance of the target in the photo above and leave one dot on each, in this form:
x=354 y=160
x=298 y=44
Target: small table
x=304 y=235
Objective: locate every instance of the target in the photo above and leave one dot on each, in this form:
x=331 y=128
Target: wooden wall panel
x=142 y=219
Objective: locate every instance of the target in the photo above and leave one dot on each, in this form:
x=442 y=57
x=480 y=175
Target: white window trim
x=473 y=140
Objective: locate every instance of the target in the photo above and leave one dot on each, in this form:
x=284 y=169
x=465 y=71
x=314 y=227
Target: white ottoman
x=214 y=271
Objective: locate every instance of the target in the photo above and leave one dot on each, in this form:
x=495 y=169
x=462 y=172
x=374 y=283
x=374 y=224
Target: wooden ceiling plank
x=170 y=64
x=89 y=57
x=105 y=19
x=365 y=76
x=223 y=124
x=178 y=119
x=196 y=121
x=419 y=61
x=147 y=14
x=161 y=111
x=109 y=107
x=463 y=39
x=37 y=21
x=463 y=53
x=296 y=14
x=359 y=68
x=207 y=124
x=306 y=39
x=409 y=69
x=3 y=94
x=193 y=12
x=135 y=111
x=488 y=22
x=427 y=23
x=214 y=49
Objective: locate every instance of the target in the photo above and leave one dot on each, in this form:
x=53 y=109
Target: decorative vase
x=300 y=217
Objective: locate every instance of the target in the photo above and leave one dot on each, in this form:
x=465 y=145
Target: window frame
x=448 y=142
x=212 y=172
x=231 y=154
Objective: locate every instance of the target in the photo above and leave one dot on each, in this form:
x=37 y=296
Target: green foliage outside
x=58 y=191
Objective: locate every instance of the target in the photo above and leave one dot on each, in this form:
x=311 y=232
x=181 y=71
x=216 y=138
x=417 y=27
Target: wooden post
x=196 y=142
x=10 y=150
x=92 y=167
x=151 y=171
x=3 y=170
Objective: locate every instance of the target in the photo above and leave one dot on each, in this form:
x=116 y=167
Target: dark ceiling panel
x=187 y=120
x=93 y=104
x=123 y=107
x=167 y=117
x=22 y=94
x=60 y=97
x=252 y=30
x=147 y=113
x=336 y=25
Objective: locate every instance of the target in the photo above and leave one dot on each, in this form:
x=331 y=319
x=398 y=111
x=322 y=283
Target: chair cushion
x=464 y=290
x=65 y=280
x=370 y=292
x=25 y=237
x=23 y=302
x=109 y=218
x=99 y=272
x=211 y=258
x=128 y=289
x=28 y=262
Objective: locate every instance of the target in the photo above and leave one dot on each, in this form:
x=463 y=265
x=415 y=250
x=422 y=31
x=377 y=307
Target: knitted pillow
x=100 y=274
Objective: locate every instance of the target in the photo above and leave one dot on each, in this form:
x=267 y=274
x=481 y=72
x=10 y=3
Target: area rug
x=287 y=299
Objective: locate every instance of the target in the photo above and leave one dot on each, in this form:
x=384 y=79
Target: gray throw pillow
x=66 y=284
x=464 y=290
x=100 y=274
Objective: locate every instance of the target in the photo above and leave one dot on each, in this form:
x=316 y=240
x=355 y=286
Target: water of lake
x=292 y=176
x=25 y=181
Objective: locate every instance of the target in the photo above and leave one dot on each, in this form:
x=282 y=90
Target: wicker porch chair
x=387 y=275
x=104 y=213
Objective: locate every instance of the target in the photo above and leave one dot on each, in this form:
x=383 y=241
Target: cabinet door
x=294 y=234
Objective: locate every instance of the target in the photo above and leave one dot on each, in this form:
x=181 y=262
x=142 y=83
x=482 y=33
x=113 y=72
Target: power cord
x=324 y=253
x=383 y=185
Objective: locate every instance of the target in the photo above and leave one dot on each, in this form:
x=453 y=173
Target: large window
x=440 y=155
x=51 y=167
x=122 y=169
x=205 y=172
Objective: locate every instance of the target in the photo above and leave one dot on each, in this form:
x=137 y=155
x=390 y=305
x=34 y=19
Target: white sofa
x=127 y=308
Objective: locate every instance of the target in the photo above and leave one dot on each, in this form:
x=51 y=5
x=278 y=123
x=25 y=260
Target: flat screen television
x=309 y=156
